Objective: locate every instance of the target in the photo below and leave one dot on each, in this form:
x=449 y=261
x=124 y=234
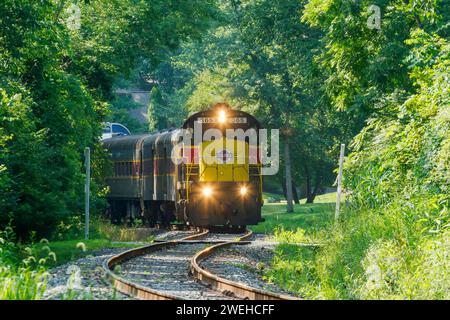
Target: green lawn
x=73 y=249
x=311 y=217
x=267 y=195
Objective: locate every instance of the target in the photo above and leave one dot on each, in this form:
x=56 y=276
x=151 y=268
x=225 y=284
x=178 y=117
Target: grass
x=294 y=267
x=21 y=284
x=26 y=278
x=104 y=236
x=370 y=254
x=23 y=268
x=103 y=229
x=275 y=196
x=311 y=217
x=74 y=249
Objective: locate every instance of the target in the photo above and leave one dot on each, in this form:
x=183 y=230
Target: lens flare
x=222 y=116
x=207 y=191
x=243 y=191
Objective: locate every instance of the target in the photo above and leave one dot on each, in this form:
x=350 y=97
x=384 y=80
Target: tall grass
x=21 y=283
x=370 y=254
x=22 y=272
x=104 y=229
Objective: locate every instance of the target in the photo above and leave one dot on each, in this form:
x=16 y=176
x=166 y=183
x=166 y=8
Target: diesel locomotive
x=192 y=175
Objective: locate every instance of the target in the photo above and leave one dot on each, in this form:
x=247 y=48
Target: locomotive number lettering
x=229 y=120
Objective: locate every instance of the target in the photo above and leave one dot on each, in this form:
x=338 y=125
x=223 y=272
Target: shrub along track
x=170 y=270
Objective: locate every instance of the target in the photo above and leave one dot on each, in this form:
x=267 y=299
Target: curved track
x=165 y=270
x=132 y=288
x=239 y=290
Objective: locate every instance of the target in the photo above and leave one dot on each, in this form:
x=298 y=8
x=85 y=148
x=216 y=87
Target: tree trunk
x=283 y=186
x=311 y=196
x=295 y=194
x=317 y=186
x=308 y=183
x=294 y=191
x=290 y=206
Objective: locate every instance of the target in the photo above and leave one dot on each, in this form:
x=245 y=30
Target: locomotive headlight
x=243 y=190
x=207 y=191
x=222 y=116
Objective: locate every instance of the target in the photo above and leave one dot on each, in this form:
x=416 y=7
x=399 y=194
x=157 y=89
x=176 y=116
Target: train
x=214 y=179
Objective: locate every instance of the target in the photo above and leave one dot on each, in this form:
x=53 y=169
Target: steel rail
x=217 y=283
x=130 y=288
x=240 y=290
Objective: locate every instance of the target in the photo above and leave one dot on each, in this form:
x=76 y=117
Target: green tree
x=264 y=61
x=55 y=84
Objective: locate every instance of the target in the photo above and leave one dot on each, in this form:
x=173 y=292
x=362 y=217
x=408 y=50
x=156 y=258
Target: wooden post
x=339 y=186
x=87 y=157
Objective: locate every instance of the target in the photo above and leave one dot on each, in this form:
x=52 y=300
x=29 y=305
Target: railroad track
x=171 y=270
x=240 y=290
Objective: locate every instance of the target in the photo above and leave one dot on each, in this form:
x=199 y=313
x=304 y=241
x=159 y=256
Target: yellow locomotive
x=207 y=173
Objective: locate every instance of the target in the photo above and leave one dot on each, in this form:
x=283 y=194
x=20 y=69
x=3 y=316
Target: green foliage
x=392 y=243
x=314 y=67
x=120 y=112
x=157 y=111
x=104 y=229
x=55 y=83
x=48 y=116
x=309 y=217
x=293 y=269
x=69 y=250
x=400 y=173
x=22 y=269
x=366 y=256
x=288 y=236
x=21 y=284
x=260 y=57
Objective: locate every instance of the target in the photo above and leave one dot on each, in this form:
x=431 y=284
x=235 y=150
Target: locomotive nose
x=227 y=203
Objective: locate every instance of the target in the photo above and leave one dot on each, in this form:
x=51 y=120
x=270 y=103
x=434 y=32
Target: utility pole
x=87 y=157
x=339 y=181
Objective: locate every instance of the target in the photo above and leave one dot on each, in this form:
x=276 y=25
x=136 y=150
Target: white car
x=113 y=130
